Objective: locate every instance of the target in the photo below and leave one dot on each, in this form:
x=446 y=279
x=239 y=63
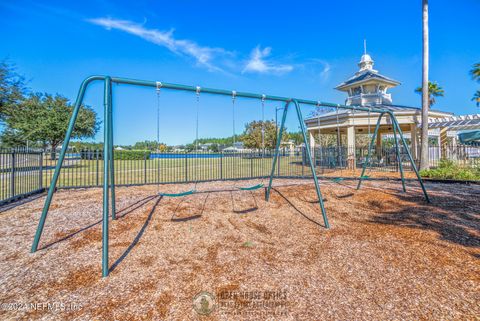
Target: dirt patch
x=388 y=254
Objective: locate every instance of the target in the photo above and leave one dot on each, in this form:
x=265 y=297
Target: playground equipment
x=234 y=96
x=197 y=92
x=109 y=182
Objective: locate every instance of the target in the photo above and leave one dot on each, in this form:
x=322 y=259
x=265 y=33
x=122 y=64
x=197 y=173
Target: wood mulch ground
x=388 y=255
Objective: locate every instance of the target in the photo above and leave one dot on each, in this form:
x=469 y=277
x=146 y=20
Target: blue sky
x=299 y=49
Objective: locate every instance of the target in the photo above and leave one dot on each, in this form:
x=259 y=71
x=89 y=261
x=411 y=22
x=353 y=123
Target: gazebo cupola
x=367 y=87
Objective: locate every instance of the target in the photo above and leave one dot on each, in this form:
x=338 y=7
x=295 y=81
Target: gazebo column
x=351 y=146
x=413 y=140
x=312 y=146
x=442 y=142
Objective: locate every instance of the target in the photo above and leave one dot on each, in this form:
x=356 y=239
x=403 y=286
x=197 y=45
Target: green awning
x=469 y=137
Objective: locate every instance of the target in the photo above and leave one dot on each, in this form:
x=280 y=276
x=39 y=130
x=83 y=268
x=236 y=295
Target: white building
x=368 y=88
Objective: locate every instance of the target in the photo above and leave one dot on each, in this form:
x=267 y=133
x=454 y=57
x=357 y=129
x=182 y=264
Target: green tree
x=434 y=90
x=252 y=136
x=475 y=71
x=214 y=148
x=44 y=118
x=147 y=145
x=12 y=88
x=296 y=137
x=476 y=98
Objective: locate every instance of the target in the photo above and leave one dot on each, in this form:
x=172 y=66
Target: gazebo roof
x=364 y=76
x=394 y=108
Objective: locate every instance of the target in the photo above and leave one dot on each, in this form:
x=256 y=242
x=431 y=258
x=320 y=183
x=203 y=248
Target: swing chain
x=234 y=95
x=263 y=124
x=197 y=91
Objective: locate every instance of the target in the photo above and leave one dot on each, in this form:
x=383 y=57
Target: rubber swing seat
x=190 y=192
x=251 y=188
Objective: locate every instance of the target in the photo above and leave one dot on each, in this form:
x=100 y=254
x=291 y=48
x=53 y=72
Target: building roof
x=456 y=122
x=364 y=76
x=394 y=108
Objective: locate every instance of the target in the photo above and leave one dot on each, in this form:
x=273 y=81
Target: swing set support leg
x=399 y=158
x=277 y=148
x=367 y=161
x=308 y=156
x=412 y=162
x=61 y=157
x=111 y=151
x=106 y=163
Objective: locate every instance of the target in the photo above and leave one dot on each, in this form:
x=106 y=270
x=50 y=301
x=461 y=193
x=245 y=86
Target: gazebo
x=367 y=87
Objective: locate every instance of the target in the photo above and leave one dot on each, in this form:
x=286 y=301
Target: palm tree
x=475 y=72
x=434 y=90
x=424 y=162
x=476 y=98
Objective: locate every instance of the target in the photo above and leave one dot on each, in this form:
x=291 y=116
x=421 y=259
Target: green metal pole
x=400 y=166
x=312 y=167
x=111 y=156
x=238 y=94
x=106 y=154
x=394 y=119
x=277 y=148
x=58 y=167
x=367 y=161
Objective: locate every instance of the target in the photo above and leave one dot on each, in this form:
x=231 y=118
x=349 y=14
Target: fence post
x=97 y=168
x=303 y=163
x=279 y=157
x=221 y=165
x=251 y=165
x=40 y=171
x=145 y=167
x=186 y=167
x=12 y=178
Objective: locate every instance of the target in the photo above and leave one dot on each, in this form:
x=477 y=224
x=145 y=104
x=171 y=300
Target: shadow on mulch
x=296 y=208
x=120 y=214
x=245 y=210
x=448 y=216
x=14 y=204
x=138 y=236
x=174 y=217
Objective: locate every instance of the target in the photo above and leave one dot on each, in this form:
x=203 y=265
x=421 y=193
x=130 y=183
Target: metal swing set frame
x=109 y=178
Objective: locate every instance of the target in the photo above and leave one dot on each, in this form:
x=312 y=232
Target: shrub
x=447 y=169
x=131 y=154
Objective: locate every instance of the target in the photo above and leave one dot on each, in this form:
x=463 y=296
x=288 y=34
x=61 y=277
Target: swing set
x=109 y=179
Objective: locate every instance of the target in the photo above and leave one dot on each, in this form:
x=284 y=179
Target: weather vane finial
x=364 y=46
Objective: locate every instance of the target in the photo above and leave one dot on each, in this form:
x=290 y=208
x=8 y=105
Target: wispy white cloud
x=325 y=73
x=211 y=58
x=203 y=55
x=259 y=64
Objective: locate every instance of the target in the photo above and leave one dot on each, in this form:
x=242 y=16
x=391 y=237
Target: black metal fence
x=21 y=173
x=24 y=172
x=381 y=159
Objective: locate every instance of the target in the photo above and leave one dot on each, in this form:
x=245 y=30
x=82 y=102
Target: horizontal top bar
x=232 y=93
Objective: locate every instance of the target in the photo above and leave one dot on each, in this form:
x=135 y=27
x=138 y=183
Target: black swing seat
x=251 y=188
x=190 y=192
